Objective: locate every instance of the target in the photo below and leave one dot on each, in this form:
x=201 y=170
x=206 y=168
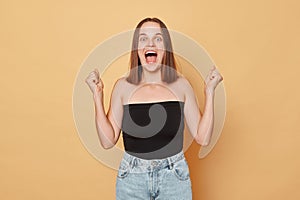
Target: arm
x=206 y=124
x=201 y=127
x=107 y=125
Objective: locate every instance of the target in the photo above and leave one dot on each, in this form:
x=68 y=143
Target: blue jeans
x=159 y=179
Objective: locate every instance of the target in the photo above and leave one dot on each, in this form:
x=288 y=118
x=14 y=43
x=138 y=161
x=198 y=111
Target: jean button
x=154 y=163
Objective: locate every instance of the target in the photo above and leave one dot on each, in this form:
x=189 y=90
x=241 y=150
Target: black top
x=153 y=130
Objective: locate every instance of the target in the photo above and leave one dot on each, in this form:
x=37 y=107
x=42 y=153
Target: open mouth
x=150 y=56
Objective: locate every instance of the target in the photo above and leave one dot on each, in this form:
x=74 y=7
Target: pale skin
x=152 y=89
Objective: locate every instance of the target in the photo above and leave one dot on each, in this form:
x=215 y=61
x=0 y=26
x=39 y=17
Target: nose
x=151 y=43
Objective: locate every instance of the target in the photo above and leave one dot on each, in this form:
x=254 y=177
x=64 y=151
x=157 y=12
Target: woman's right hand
x=95 y=83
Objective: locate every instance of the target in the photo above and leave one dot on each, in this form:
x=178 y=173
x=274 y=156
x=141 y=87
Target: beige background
x=254 y=44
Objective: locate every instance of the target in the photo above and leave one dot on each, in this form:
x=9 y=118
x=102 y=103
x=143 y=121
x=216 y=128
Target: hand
x=213 y=79
x=94 y=82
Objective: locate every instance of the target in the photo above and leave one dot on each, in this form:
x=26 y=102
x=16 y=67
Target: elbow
x=107 y=145
x=201 y=141
x=205 y=144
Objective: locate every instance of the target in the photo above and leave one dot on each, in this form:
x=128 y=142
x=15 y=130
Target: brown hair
x=168 y=69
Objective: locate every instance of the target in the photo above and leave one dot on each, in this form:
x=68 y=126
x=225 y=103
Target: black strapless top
x=153 y=130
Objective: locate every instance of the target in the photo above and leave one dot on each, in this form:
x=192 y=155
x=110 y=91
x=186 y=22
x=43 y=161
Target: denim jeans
x=158 y=179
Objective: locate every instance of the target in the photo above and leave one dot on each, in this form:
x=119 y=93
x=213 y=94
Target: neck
x=151 y=77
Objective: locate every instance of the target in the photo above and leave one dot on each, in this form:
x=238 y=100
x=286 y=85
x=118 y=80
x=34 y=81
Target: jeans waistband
x=150 y=165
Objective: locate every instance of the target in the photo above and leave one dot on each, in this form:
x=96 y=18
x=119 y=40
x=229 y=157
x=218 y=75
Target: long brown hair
x=168 y=69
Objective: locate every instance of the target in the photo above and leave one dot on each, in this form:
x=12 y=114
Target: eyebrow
x=146 y=34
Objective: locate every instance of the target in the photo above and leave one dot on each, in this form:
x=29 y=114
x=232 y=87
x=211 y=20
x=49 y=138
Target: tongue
x=150 y=59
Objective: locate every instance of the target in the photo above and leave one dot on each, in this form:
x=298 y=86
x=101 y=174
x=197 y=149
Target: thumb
x=97 y=72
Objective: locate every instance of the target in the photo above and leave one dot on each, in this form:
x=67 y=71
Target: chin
x=152 y=67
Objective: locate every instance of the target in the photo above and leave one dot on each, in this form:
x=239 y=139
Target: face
x=151 y=46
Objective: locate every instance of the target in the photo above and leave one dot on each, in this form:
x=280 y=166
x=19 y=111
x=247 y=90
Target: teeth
x=150 y=52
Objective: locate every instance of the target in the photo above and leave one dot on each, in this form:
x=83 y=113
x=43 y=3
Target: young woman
x=150 y=106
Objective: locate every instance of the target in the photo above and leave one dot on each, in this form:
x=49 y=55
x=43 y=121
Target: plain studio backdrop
x=254 y=44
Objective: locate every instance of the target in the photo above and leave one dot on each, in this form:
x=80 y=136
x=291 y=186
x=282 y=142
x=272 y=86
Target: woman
x=150 y=106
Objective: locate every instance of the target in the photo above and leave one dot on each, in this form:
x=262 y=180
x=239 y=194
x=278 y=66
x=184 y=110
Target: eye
x=158 y=39
x=143 y=39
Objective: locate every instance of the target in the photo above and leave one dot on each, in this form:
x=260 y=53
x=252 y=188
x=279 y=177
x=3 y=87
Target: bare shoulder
x=186 y=88
x=121 y=83
x=184 y=83
x=120 y=87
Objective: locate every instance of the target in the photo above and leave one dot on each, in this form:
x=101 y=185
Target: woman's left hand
x=212 y=80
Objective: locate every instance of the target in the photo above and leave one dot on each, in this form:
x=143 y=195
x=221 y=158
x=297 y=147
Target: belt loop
x=170 y=164
x=133 y=162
